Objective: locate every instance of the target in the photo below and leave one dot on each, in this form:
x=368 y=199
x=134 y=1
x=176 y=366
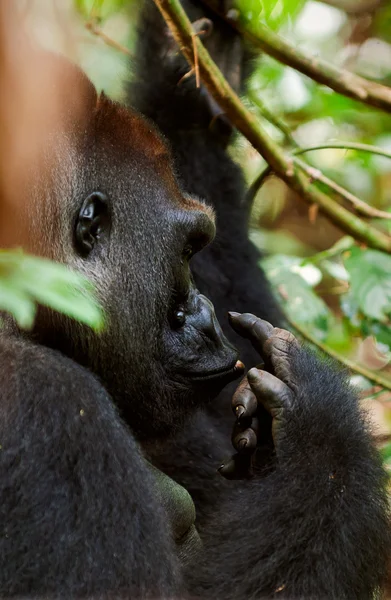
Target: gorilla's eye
x=188 y=251
x=179 y=318
x=91 y=223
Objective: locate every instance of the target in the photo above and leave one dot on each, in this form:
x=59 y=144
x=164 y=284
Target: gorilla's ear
x=92 y=223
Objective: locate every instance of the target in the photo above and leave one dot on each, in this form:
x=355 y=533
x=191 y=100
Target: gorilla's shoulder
x=74 y=486
x=18 y=355
x=43 y=390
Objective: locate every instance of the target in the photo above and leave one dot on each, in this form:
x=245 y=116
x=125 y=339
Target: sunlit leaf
x=27 y=280
x=272 y=13
x=386 y=453
x=298 y=298
x=16 y=302
x=98 y=8
x=370 y=282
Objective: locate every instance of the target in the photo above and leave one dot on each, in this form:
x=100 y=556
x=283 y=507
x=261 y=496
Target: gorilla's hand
x=274 y=390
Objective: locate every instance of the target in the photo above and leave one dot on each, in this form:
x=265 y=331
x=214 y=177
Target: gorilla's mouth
x=230 y=373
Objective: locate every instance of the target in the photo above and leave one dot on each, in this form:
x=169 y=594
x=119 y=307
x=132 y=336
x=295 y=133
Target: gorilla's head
x=109 y=205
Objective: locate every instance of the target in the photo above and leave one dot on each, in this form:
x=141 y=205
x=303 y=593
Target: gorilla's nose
x=207 y=322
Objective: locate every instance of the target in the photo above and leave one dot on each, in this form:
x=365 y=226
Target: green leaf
x=17 y=303
x=370 y=282
x=273 y=13
x=26 y=280
x=101 y=8
x=380 y=331
x=300 y=301
x=386 y=453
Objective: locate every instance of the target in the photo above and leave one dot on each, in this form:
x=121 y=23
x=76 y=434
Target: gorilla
x=111 y=442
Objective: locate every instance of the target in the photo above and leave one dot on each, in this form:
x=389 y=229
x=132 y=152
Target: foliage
x=370 y=283
x=101 y=9
x=365 y=303
x=27 y=280
x=272 y=13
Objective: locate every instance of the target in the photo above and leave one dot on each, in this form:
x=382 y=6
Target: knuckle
x=285 y=335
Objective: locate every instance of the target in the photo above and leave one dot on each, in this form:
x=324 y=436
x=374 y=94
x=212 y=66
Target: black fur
x=72 y=524
x=294 y=529
x=81 y=514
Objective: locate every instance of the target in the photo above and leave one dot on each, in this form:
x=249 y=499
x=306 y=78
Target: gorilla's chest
x=181 y=513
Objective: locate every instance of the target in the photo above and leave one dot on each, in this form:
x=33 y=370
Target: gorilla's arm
x=317 y=526
x=78 y=514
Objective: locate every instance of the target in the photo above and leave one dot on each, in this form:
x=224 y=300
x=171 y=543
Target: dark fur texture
x=305 y=531
x=80 y=515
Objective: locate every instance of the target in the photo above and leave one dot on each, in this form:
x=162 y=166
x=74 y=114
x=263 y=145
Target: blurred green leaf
x=299 y=300
x=370 y=282
x=386 y=453
x=381 y=331
x=98 y=8
x=273 y=13
x=27 y=280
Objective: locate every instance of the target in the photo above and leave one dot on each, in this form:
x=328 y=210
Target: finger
x=244 y=403
x=245 y=442
x=270 y=391
x=280 y=348
x=237 y=467
x=241 y=426
x=252 y=328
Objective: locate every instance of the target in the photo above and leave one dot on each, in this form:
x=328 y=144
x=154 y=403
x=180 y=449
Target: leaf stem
x=345 y=146
x=370 y=375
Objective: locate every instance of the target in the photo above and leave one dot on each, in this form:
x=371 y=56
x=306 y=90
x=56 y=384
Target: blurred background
x=335 y=291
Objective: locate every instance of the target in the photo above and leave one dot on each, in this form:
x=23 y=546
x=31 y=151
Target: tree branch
x=249 y=126
x=377 y=379
x=346 y=146
x=340 y=80
x=360 y=206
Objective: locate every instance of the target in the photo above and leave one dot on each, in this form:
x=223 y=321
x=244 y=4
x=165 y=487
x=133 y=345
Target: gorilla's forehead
x=128 y=133
x=118 y=152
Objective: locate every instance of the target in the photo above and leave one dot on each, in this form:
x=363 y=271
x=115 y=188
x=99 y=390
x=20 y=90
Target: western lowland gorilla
x=110 y=443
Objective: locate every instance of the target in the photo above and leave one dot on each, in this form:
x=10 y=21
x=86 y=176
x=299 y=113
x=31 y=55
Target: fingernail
x=242 y=444
x=239 y=366
x=233 y=314
x=240 y=410
x=253 y=374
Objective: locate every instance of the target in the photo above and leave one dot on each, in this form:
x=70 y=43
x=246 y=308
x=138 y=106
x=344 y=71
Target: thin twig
x=93 y=28
x=196 y=66
x=370 y=375
x=346 y=146
x=274 y=119
x=340 y=80
x=359 y=205
x=317 y=175
x=250 y=127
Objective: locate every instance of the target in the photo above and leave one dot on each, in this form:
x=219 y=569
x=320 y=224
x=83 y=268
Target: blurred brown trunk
x=42 y=95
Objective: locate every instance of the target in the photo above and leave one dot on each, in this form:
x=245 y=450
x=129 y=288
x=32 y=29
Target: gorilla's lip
x=230 y=373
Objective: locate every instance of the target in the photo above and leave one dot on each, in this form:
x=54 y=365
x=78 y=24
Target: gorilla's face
x=118 y=215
